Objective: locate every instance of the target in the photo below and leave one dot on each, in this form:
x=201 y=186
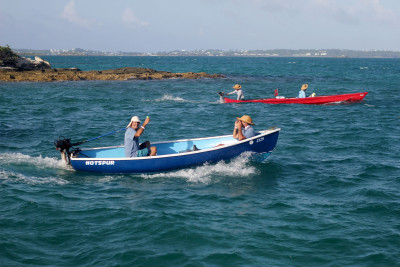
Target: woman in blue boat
x=302 y=93
x=238 y=90
x=131 y=141
x=243 y=128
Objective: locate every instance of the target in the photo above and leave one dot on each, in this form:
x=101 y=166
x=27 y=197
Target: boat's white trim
x=362 y=94
x=262 y=133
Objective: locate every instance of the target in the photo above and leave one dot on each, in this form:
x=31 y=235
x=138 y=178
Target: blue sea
x=329 y=195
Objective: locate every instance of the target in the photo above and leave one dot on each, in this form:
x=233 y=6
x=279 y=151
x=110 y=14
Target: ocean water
x=327 y=196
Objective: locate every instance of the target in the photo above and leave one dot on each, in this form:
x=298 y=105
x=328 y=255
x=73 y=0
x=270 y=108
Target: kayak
x=316 y=100
x=171 y=155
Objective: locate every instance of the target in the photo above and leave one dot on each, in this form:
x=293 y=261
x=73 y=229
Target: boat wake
x=368 y=105
x=177 y=99
x=206 y=173
x=167 y=97
x=38 y=162
x=29 y=179
x=27 y=168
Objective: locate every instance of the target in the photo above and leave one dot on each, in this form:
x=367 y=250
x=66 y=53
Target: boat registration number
x=260 y=139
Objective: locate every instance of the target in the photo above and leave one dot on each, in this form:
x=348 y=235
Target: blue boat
x=171 y=155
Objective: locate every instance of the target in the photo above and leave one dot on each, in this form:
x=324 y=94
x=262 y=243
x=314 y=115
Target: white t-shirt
x=239 y=92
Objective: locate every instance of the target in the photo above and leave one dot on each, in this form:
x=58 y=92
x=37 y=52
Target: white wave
x=39 y=161
x=167 y=97
x=110 y=178
x=33 y=180
x=238 y=167
x=170 y=98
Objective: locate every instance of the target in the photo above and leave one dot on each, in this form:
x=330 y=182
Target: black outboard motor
x=64 y=144
x=221 y=97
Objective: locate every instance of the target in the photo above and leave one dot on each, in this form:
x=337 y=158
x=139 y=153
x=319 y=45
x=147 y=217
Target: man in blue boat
x=131 y=141
x=302 y=93
x=238 y=90
x=243 y=128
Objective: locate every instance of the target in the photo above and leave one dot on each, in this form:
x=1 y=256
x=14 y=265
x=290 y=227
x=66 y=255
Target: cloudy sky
x=161 y=25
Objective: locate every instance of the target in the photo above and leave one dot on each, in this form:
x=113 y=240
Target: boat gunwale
x=262 y=133
x=254 y=100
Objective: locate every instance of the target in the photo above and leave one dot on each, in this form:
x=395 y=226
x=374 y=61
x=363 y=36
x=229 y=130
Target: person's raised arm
x=240 y=135
x=141 y=129
x=237 y=131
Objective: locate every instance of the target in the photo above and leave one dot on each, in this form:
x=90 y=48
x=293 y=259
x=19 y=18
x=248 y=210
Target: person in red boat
x=302 y=93
x=238 y=90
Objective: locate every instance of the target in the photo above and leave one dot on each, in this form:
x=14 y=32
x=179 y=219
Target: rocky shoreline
x=74 y=74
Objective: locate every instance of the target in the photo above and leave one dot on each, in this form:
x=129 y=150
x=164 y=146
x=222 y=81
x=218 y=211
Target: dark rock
x=25 y=64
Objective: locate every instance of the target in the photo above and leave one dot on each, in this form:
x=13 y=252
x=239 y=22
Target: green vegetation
x=7 y=56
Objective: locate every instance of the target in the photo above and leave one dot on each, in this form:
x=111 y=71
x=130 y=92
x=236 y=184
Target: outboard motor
x=221 y=97
x=64 y=144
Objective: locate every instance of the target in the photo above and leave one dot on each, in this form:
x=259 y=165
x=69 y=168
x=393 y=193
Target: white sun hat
x=133 y=119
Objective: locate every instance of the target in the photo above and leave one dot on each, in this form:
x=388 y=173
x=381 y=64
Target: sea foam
x=39 y=161
x=239 y=167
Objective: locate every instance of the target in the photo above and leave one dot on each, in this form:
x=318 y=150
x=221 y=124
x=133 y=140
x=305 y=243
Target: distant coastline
x=314 y=53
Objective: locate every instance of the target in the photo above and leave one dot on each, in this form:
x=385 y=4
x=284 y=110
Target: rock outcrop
x=24 y=64
x=11 y=61
x=46 y=74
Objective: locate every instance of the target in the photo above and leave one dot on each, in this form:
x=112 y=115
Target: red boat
x=316 y=100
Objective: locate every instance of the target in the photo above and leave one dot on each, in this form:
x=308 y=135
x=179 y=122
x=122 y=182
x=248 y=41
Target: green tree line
x=7 y=56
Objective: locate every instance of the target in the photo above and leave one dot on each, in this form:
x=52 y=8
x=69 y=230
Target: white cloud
x=339 y=12
x=345 y=12
x=375 y=10
x=279 y=5
x=70 y=14
x=130 y=18
x=358 y=11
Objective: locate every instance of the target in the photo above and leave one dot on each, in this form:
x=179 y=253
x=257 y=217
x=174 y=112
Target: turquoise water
x=327 y=196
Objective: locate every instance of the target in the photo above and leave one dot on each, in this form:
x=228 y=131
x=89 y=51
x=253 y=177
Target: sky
x=161 y=25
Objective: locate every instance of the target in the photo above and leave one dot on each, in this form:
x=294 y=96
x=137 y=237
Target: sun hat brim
x=304 y=86
x=246 y=121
